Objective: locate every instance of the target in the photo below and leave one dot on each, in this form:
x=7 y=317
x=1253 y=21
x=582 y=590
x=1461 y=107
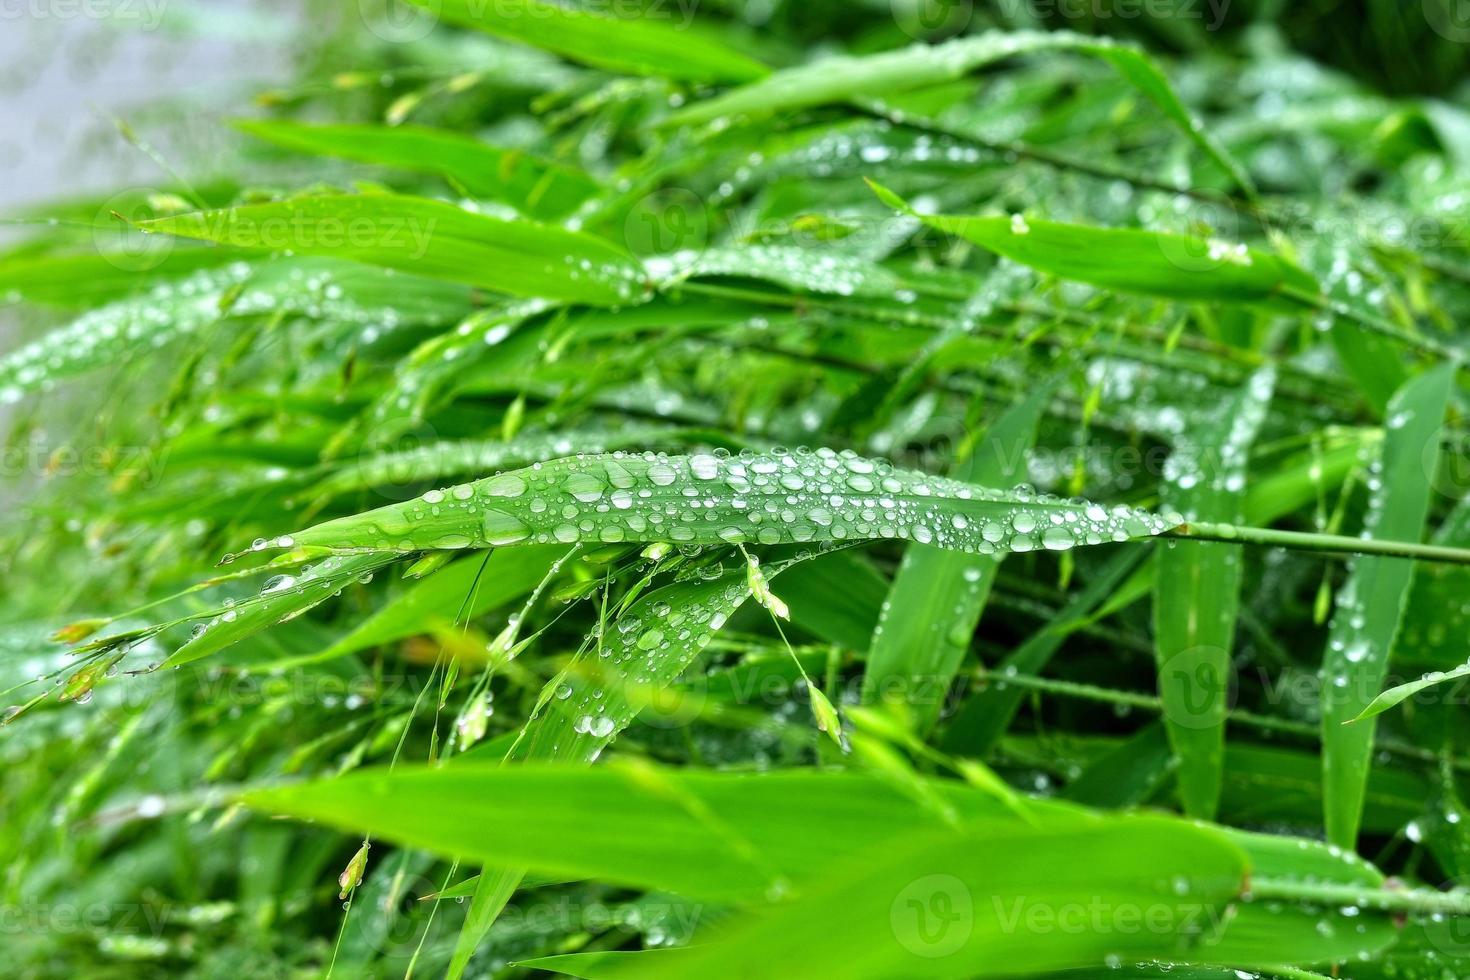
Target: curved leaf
x=429 y=238
x=712 y=499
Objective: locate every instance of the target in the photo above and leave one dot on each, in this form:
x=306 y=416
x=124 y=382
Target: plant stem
x=1312 y=541
x=1422 y=901
x=1248 y=719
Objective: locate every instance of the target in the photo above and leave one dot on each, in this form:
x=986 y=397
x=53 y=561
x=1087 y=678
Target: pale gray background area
x=172 y=68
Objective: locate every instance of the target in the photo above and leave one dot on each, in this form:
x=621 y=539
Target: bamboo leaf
x=428 y=238
x=284 y=596
x=920 y=66
x=1197 y=590
x=926 y=623
x=708 y=499
x=1134 y=260
x=641 y=46
x=1400 y=693
x=1371 y=603
x=343 y=292
x=538 y=188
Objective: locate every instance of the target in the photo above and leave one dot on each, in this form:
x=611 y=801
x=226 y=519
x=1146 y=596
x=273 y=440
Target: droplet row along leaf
x=717 y=498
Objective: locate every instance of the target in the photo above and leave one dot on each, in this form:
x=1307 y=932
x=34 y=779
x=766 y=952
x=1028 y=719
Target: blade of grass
x=429 y=238
x=1197 y=590
x=538 y=188
x=1371 y=603
x=640 y=46
x=710 y=499
x=926 y=623
x=1132 y=259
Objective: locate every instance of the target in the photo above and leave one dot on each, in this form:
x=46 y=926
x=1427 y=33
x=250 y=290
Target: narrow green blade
x=1197 y=590
x=1371 y=603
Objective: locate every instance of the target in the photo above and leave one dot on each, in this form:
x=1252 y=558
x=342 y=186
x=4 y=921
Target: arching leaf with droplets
x=712 y=499
x=641 y=46
x=342 y=292
x=429 y=238
x=1134 y=260
x=535 y=187
x=808 y=269
x=1371 y=604
x=1197 y=589
x=283 y=597
x=923 y=65
x=926 y=623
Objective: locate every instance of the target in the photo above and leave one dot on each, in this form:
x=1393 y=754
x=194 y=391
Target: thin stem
x=1421 y=901
x=1312 y=541
x=1247 y=719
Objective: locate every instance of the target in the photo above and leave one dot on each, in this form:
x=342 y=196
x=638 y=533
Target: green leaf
x=1133 y=260
x=824 y=845
x=710 y=499
x=806 y=269
x=92 y=278
x=735 y=836
x=538 y=188
x=927 y=622
x=1197 y=589
x=640 y=46
x=581 y=711
x=464 y=589
x=1402 y=692
x=344 y=293
x=429 y=238
x=1371 y=603
x=920 y=66
x=946 y=904
x=283 y=597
